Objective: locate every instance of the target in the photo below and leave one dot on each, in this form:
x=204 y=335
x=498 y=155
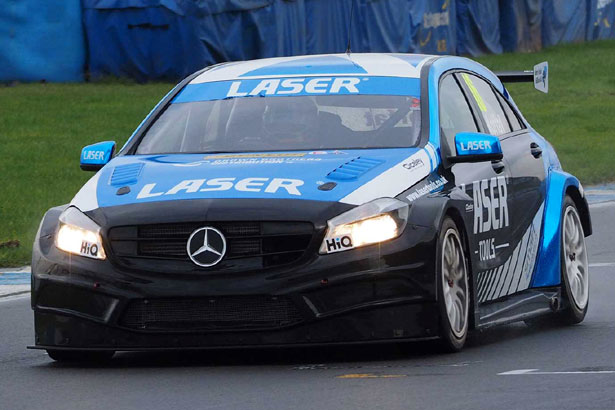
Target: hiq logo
x=338 y=244
x=295 y=86
x=88 y=248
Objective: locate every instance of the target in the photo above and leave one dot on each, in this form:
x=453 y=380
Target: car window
x=488 y=105
x=513 y=120
x=286 y=123
x=455 y=113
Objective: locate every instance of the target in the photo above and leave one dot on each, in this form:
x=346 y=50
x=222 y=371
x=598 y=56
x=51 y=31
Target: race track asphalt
x=511 y=367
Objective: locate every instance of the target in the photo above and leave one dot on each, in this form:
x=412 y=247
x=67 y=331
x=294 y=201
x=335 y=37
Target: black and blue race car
x=315 y=200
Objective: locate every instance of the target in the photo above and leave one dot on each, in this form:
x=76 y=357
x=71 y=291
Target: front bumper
x=393 y=323
x=376 y=293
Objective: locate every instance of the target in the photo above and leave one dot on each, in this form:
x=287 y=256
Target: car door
x=517 y=246
x=485 y=211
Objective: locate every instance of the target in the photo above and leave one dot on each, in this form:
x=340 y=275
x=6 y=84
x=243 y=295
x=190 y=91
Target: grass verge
x=44 y=126
x=42 y=130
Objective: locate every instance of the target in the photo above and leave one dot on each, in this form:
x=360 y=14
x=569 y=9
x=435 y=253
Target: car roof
x=355 y=64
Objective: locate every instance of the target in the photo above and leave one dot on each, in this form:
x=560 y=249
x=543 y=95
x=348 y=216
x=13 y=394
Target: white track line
x=524 y=372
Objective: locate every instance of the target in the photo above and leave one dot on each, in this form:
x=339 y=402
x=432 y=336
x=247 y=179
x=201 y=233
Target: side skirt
x=524 y=305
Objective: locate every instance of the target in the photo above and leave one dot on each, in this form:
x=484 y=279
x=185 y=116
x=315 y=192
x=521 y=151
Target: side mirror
x=95 y=156
x=476 y=147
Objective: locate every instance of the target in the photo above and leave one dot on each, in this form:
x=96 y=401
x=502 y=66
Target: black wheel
x=453 y=288
x=80 y=355
x=575 y=267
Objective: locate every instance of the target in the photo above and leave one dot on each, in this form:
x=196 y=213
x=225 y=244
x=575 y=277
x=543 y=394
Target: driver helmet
x=290 y=119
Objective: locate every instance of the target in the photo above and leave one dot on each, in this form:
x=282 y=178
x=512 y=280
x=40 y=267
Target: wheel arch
x=431 y=211
x=455 y=214
x=581 y=203
x=559 y=184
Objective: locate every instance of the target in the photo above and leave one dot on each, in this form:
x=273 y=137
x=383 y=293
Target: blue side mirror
x=476 y=147
x=95 y=156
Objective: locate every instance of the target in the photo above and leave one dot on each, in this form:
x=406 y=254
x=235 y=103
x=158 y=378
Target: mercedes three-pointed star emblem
x=206 y=246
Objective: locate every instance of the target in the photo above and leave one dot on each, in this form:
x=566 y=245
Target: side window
x=455 y=114
x=488 y=104
x=515 y=124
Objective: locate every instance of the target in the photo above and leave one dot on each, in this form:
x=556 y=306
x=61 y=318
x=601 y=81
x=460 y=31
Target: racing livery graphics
x=315 y=200
x=490 y=204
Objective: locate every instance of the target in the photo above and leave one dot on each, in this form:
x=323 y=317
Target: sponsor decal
x=426 y=189
x=469 y=207
x=475 y=146
x=486 y=249
x=490 y=204
x=93 y=155
x=541 y=77
x=295 y=86
x=225 y=160
x=435 y=20
x=88 y=249
x=290 y=86
x=318 y=153
x=257 y=161
x=339 y=244
x=417 y=162
x=267 y=155
x=268 y=185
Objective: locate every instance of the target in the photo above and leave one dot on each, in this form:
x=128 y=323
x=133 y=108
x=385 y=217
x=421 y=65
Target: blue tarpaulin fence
x=168 y=39
x=41 y=40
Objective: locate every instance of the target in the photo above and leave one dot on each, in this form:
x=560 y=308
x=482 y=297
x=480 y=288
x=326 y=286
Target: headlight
x=370 y=223
x=80 y=235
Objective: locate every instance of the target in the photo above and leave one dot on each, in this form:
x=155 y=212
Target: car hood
x=350 y=176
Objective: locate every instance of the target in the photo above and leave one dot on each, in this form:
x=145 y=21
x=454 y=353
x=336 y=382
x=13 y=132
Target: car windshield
x=275 y=123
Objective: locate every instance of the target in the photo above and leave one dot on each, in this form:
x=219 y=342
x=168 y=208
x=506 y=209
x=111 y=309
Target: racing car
x=315 y=200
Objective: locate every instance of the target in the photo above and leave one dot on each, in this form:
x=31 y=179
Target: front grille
x=269 y=243
x=221 y=313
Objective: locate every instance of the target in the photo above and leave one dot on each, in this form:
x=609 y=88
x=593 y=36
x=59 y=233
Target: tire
x=91 y=356
x=574 y=265
x=453 y=288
